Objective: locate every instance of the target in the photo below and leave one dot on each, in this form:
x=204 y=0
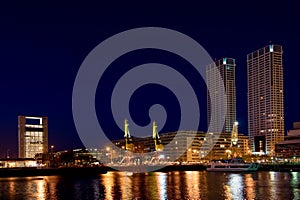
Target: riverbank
x=167 y=168
x=88 y=171
x=66 y=171
x=283 y=167
x=156 y=168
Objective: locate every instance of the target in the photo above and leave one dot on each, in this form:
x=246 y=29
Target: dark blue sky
x=42 y=46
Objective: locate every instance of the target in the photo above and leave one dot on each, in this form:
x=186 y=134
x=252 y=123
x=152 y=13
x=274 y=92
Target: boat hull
x=232 y=167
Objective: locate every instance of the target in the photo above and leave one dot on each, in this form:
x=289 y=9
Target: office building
x=290 y=147
x=32 y=136
x=189 y=146
x=265 y=98
x=226 y=68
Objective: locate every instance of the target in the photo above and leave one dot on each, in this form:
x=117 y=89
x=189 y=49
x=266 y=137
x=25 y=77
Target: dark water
x=172 y=185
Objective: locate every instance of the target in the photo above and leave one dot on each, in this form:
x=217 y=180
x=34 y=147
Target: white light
x=271 y=48
x=236 y=123
x=161 y=156
x=39 y=118
x=33 y=117
x=224 y=61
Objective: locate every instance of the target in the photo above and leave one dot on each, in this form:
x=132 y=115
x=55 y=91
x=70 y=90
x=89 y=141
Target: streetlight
x=7 y=153
x=228 y=152
x=52 y=157
x=109 y=150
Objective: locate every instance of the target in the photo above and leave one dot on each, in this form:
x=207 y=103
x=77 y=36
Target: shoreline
x=92 y=171
x=65 y=171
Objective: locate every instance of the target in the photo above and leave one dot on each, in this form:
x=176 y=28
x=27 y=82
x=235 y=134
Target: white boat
x=232 y=165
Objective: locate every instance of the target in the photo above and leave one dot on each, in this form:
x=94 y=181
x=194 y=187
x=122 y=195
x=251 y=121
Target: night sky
x=42 y=46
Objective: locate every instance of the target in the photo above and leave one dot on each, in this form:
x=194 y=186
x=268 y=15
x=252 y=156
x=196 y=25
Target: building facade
x=222 y=148
x=226 y=68
x=265 y=98
x=290 y=147
x=18 y=162
x=189 y=146
x=32 y=136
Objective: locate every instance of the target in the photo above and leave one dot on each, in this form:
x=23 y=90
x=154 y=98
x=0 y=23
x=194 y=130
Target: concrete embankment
x=168 y=168
x=280 y=167
x=157 y=168
x=67 y=171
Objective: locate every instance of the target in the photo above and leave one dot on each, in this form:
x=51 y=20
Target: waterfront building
x=226 y=68
x=194 y=145
x=223 y=146
x=17 y=162
x=290 y=147
x=32 y=136
x=185 y=148
x=265 y=99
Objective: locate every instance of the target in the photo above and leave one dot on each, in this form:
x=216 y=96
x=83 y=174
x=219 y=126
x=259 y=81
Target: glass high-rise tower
x=226 y=68
x=265 y=98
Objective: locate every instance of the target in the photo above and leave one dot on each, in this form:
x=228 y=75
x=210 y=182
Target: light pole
x=7 y=153
x=176 y=147
x=110 y=152
x=52 y=158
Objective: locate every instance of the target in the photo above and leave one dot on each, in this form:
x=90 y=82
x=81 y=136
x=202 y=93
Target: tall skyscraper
x=226 y=68
x=33 y=136
x=265 y=98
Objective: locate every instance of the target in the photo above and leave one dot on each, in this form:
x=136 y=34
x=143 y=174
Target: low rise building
x=17 y=163
x=290 y=147
x=187 y=146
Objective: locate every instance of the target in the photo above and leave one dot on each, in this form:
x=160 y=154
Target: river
x=156 y=185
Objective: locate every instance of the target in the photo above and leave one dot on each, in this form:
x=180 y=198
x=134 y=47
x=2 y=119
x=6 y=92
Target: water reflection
x=156 y=185
x=294 y=184
x=193 y=187
x=249 y=186
x=234 y=189
x=162 y=185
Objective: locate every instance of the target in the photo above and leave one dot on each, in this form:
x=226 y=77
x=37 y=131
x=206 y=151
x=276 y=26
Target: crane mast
x=156 y=138
x=127 y=136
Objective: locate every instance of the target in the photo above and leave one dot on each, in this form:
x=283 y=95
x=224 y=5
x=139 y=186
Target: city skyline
x=41 y=56
x=226 y=67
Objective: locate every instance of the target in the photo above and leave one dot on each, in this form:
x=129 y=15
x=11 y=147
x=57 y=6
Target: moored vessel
x=232 y=165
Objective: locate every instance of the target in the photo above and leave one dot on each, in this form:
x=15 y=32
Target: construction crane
x=157 y=143
x=127 y=136
x=128 y=142
x=156 y=138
